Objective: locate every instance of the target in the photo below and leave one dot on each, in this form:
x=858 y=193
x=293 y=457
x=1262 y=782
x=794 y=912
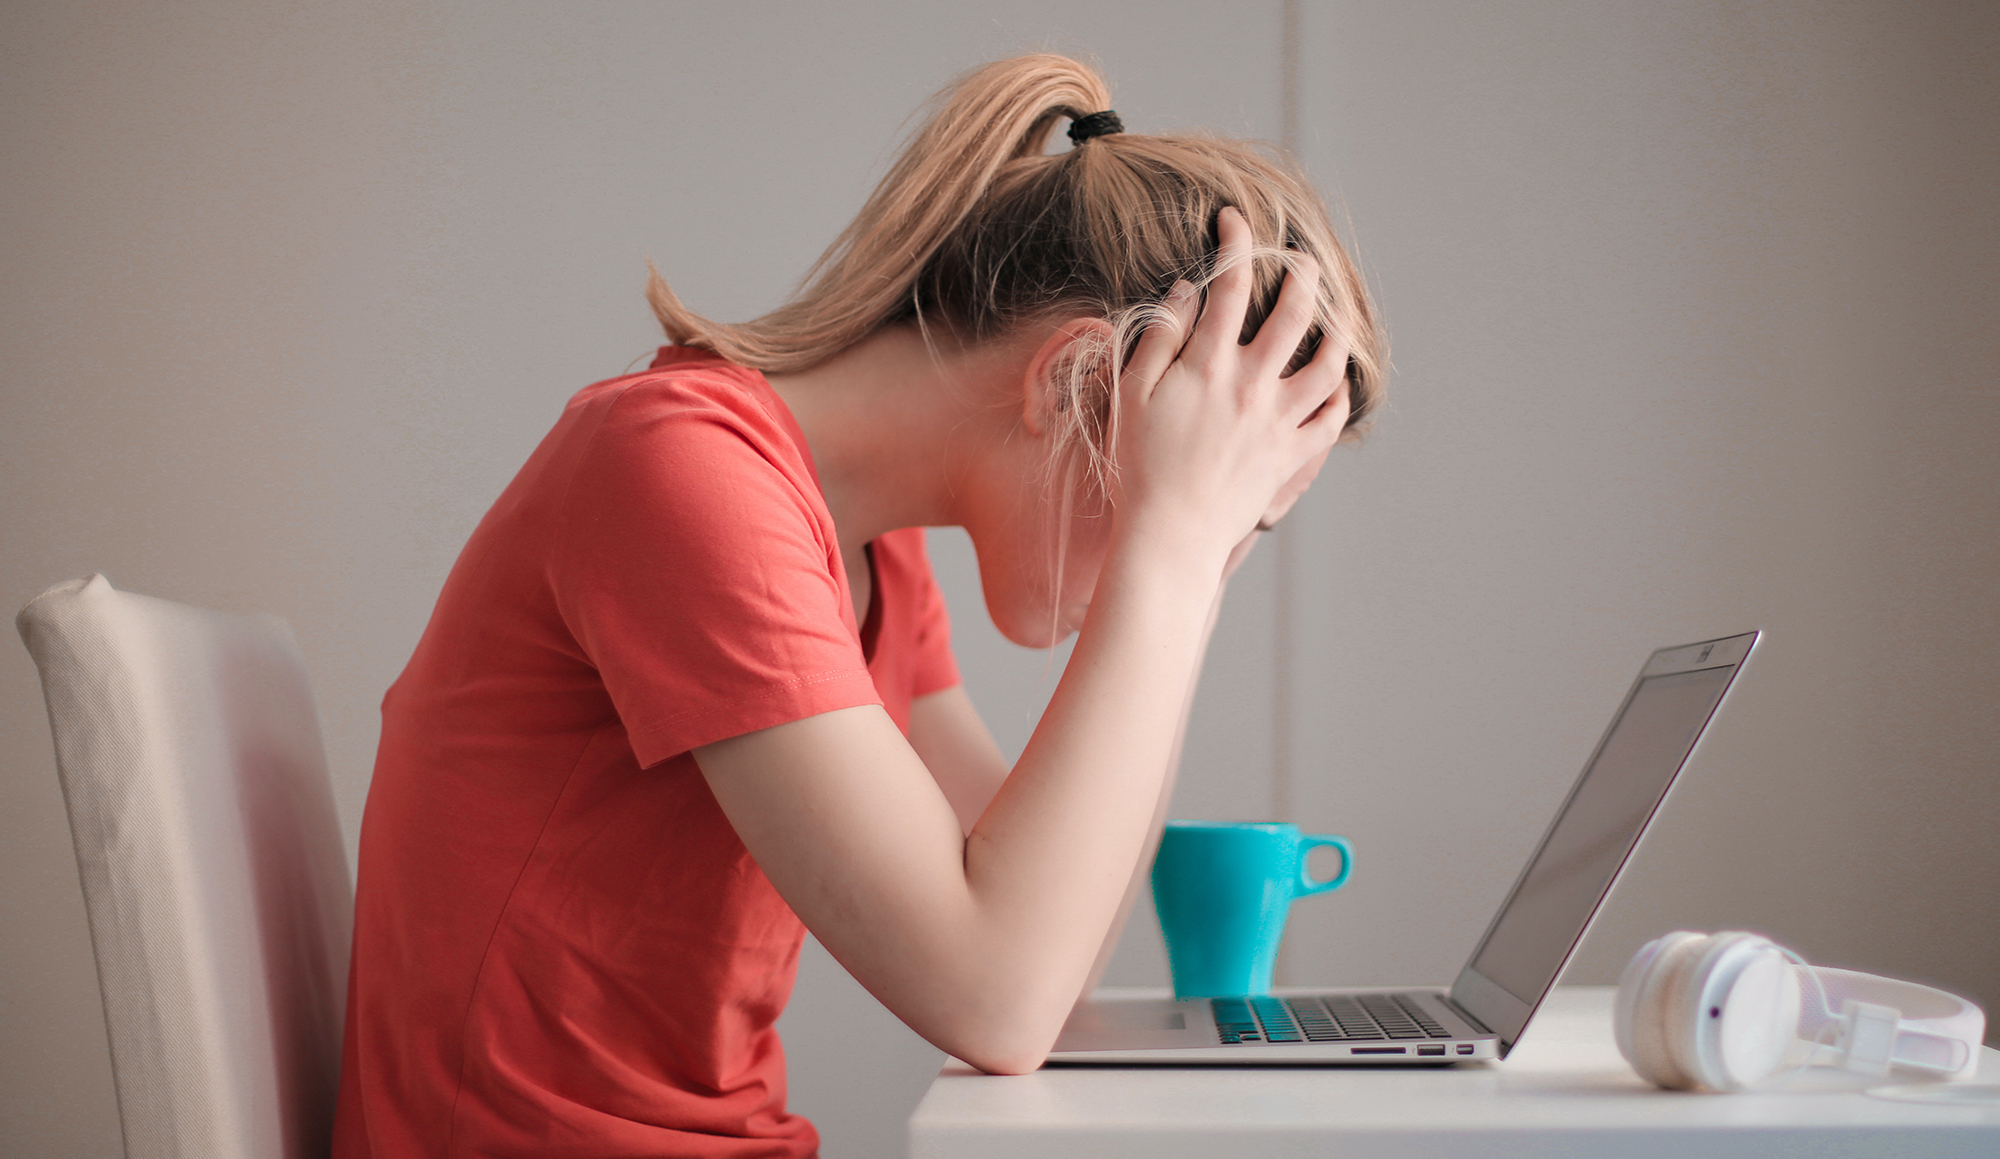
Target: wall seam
x=1285 y=548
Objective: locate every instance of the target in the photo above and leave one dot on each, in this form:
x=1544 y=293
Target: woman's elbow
x=1002 y=1045
x=1003 y=1058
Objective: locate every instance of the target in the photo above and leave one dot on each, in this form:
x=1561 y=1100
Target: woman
x=689 y=685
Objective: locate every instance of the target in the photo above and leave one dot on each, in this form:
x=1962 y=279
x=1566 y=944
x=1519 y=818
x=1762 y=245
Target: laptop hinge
x=1455 y=1008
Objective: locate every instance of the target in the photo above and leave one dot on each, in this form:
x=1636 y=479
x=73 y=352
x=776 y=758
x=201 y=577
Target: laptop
x=1482 y=1014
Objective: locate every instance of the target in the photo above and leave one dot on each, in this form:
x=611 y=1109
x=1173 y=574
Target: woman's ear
x=1078 y=350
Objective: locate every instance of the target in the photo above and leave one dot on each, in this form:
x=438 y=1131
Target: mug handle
x=1307 y=843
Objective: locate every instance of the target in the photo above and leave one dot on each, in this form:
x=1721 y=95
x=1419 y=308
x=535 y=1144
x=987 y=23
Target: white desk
x=1563 y=1092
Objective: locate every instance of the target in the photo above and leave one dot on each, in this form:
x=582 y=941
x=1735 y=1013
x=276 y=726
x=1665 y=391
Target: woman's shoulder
x=692 y=437
x=688 y=397
x=683 y=377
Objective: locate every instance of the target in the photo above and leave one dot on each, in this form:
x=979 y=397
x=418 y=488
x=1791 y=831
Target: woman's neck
x=893 y=427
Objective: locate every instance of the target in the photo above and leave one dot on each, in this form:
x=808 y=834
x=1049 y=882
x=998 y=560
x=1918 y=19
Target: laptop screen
x=1597 y=828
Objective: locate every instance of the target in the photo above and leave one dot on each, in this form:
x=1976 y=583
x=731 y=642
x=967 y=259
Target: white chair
x=213 y=870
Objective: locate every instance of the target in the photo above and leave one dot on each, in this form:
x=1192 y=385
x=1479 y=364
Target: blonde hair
x=976 y=230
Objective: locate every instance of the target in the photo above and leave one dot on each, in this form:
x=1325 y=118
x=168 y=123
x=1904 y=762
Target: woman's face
x=1037 y=584
x=1039 y=556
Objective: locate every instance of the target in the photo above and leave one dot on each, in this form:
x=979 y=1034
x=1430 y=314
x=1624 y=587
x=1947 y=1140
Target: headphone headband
x=1926 y=1027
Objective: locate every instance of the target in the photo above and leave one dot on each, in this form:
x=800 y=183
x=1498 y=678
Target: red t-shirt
x=560 y=945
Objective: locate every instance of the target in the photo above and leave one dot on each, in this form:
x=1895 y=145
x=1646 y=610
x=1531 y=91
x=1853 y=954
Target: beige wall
x=1693 y=324
x=1694 y=320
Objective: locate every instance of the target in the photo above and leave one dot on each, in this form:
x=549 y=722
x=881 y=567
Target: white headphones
x=1720 y=1011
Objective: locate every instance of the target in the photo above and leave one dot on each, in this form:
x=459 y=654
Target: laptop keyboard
x=1333 y=1018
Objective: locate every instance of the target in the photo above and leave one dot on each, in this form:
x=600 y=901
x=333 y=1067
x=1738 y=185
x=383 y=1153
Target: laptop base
x=1126 y=1030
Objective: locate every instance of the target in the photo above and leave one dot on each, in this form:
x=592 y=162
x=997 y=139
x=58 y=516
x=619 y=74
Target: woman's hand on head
x=1210 y=436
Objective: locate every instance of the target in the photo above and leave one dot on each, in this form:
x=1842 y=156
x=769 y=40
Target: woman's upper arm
x=948 y=734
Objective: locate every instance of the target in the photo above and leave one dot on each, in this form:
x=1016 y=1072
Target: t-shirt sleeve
x=700 y=580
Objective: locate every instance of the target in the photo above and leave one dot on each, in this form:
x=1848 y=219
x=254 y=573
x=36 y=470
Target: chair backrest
x=213 y=870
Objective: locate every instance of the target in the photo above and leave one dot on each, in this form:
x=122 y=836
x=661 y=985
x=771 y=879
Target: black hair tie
x=1082 y=129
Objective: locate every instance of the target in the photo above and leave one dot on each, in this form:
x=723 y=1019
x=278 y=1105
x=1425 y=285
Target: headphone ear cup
x=1678 y=977
x=1728 y=1018
x=1747 y=1042
x=1686 y=1009
x=1639 y=1018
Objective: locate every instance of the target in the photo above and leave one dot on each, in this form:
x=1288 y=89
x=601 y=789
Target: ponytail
x=1000 y=113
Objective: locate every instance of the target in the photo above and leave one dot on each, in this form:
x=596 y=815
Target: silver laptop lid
x=1594 y=832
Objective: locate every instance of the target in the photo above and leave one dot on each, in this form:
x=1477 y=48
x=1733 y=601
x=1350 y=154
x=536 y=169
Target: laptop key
x=1277 y=1020
x=1233 y=1021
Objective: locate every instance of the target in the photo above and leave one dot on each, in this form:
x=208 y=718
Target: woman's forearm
x=1139 y=871
x=1050 y=861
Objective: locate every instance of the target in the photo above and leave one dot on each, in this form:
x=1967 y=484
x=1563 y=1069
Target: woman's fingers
x=1229 y=294
x=1290 y=317
x=1161 y=343
x=1323 y=426
x=1313 y=386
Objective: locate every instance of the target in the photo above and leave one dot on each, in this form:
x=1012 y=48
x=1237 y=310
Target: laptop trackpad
x=1129 y=1024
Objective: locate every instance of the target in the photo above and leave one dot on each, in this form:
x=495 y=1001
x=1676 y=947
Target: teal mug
x=1223 y=890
